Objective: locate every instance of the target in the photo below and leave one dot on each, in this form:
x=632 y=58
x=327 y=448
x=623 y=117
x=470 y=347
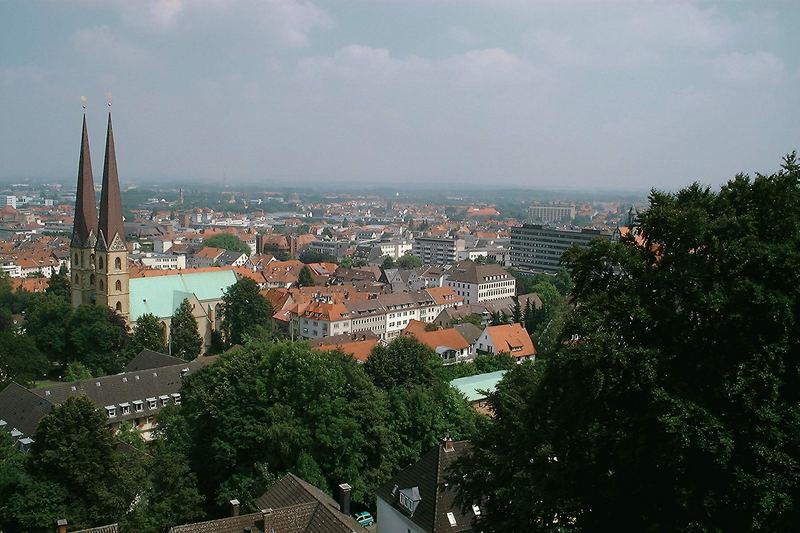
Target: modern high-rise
x=537 y=248
x=551 y=213
x=437 y=250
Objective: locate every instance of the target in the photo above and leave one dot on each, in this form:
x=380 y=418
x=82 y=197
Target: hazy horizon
x=607 y=96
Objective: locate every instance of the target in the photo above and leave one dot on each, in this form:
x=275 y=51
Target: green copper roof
x=471 y=385
x=162 y=295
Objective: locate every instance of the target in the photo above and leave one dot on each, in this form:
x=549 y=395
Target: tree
x=147 y=334
x=388 y=263
x=97 y=336
x=516 y=314
x=304 y=279
x=59 y=285
x=424 y=408
x=674 y=403
x=74 y=451
x=562 y=281
x=227 y=241
x=185 y=340
x=47 y=321
x=277 y=407
x=244 y=309
x=20 y=359
x=76 y=371
x=346 y=262
x=409 y=261
x=498 y=319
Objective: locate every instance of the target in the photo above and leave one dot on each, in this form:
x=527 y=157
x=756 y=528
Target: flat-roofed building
x=551 y=213
x=537 y=248
x=438 y=250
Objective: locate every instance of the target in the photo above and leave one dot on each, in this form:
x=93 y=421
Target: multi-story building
x=537 y=248
x=8 y=200
x=480 y=283
x=438 y=250
x=551 y=213
x=384 y=315
x=159 y=261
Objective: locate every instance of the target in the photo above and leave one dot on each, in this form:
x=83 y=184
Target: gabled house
x=420 y=498
x=507 y=338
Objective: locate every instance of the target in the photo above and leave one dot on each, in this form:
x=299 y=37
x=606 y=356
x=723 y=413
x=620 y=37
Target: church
x=99 y=258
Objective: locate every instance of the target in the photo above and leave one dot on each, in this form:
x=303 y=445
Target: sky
x=557 y=93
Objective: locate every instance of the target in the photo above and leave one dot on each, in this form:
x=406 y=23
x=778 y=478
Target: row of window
x=138 y=405
x=100 y=264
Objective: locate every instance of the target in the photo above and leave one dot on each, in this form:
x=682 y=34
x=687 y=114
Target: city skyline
x=583 y=95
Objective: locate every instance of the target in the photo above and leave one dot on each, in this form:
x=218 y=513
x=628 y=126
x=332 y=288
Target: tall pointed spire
x=85 y=222
x=110 y=201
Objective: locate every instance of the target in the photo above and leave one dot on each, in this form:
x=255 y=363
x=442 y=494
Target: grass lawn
x=44 y=383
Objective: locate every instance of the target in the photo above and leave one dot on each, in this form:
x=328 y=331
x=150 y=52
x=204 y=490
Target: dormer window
x=164 y=400
x=409 y=499
x=125 y=408
x=151 y=403
x=138 y=406
x=111 y=411
x=176 y=398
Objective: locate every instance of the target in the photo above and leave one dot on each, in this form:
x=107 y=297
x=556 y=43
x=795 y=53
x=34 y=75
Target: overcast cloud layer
x=540 y=94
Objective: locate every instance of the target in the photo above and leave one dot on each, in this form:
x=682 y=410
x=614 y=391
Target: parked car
x=364 y=518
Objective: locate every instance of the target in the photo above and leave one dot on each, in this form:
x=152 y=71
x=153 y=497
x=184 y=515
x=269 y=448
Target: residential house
x=511 y=339
x=480 y=283
x=449 y=344
x=358 y=345
x=420 y=499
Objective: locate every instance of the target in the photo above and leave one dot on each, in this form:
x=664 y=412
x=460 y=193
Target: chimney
x=61 y=525
x=448 y=444
x=234 y=507
x=344 y=498
x=265 y=514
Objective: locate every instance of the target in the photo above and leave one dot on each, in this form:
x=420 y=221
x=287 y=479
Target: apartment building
x=537 y=248
x=478 y=283
x=385 y=315
x=548 y=214
x=438 y=250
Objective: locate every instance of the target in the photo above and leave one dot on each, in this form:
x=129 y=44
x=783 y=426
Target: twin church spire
x=98 y=252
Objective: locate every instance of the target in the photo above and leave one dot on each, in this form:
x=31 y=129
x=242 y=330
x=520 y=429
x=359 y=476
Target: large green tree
x=245 y=311
x=268 y=408
x=148 y=333
x=20 y=359
x=75 y=455
x=47 y=321
x=97 y=337
x=304 y=279
x=185 y=340
x=59 y=284
x=227 y=241
x=409 y=261
x=676 y=405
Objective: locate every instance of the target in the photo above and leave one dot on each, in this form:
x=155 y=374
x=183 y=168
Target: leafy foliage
x=278 y=407
x=20 y=359
x=97 y=337
x=185 y=339
x=677 y=406
x=304 y=279
x=409 y=261
x=227 y=241
x=310 y=256
x=244 y=310
x=147 y=334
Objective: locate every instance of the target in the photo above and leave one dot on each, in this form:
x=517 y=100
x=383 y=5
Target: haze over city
x=621 y=95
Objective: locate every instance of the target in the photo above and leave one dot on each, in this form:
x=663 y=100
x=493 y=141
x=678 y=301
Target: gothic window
x=119 y=307
x=118 y=285
x=118 y=263
x=102 y=287
x=91 y=280
x=77 y=279
x=100 y=263
x=77 y=260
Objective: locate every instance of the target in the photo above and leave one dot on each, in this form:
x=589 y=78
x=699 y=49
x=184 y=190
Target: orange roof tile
x=511 y=339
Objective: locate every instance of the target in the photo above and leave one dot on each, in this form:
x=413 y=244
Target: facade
x=438 y=250
x=98 y=250
x=507 y=338
x=537 y=248
x=478 y=283
x=548 y=214
x=9 y=200
x=385 y=315
x=160 y=261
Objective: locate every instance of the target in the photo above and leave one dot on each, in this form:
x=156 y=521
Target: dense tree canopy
x=675 y=406
x=227 y=241
x=245 y=311
x=271 y=408
x=304 y=279
x=409 y=261
x=185 y=339
x=148 y=333
x=97 y=337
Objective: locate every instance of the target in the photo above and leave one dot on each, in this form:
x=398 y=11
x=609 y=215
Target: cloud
x=757 y=68
x=101 y=43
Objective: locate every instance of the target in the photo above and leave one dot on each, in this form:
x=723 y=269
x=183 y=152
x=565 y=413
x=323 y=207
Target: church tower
x=111 y=250
x=84 y=230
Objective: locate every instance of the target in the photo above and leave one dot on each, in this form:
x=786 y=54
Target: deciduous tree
x=185 y=340
x=243 y=310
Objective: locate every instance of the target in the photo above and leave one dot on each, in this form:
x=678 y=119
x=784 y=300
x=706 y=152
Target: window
x=111 y=411
x=176 y=398
x=118 y=263
x=452 y=519
x=118 y=285
x=77 y=260
x=101 y=285
x=118 y=307
x=100 y=263
x=125 y=407
x=151 y=403
x=164 y=400
x=138 y=406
